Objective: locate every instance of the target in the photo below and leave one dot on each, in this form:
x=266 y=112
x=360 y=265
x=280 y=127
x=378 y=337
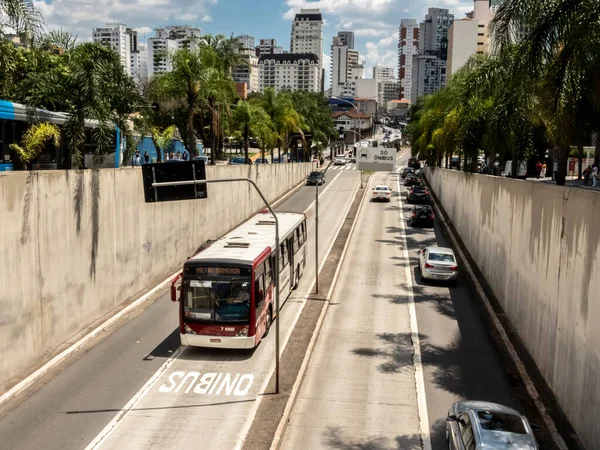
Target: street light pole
x=276 y=265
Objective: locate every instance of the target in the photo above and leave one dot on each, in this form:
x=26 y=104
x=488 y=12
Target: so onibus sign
x=376 y=159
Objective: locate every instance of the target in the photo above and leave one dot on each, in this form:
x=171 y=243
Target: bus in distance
x=227 y=291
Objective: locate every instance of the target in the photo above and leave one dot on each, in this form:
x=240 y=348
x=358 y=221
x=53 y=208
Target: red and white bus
x=228 y=290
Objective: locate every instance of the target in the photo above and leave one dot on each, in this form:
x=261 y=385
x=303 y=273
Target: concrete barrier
x=76 y=245
x=538 y=247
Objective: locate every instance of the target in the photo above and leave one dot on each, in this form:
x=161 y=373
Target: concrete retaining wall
x=75 y=245
x=538 y=246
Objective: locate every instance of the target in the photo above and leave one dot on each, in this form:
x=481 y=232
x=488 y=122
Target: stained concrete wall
x=75 y=245
x=538 y=246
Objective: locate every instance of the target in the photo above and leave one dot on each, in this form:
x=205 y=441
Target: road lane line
x=414 y=331
x=112 y=425
x=27 y=382
x=248 y=424
x=281 y=428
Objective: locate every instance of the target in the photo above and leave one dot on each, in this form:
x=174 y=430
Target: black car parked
x=418 y=195
x=315 y=178
x=422 y=216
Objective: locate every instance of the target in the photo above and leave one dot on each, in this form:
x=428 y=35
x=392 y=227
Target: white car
x=339 y=162
x=438 y=263
x=381 y=192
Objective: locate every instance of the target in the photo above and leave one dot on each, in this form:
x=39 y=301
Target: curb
x=281 y=428
x=28 y=381
x=499 y=328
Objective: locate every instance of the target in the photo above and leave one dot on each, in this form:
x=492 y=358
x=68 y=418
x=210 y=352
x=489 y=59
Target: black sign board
x=170 y=172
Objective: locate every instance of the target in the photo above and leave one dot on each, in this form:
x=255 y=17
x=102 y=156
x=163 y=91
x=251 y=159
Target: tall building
x=408 y=47
x=168 y=39
x=429 y=66
x=269 y=47
x=291 y=71
x=139 y=63
x=470 y=36
x=381 y=73
x=247 y=73
x=307 y=35
x=345 y=69
x=347 y=38
x=116 y=37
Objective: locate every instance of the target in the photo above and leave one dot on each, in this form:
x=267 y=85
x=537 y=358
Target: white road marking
x=112 y=425
x=211 y=383
x=414 y=331
x=250 y=419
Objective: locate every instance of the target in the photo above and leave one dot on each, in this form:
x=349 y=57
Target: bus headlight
x=243 y=332
x=188 y=330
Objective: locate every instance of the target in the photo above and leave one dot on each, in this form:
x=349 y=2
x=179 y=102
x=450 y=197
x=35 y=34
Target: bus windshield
x=217 y=300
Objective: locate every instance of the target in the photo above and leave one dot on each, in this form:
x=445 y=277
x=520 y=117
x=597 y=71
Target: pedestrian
x=595 y=175
x=178 y=155
x=146 y=157
x=185 y=156
x=136 y=161
x=538 y=169
x=586 y=175
x=322 y=161
x=544 y=170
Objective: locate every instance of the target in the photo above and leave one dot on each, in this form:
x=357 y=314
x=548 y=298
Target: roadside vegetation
x=537 y=91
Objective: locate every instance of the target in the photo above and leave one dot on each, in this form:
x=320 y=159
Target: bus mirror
x=173 y=293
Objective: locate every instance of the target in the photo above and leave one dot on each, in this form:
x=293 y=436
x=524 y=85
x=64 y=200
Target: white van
x=522 y=171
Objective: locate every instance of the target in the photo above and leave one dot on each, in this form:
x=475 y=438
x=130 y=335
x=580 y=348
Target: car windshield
x=497 y=421
x=217 y=300
x=315 y=174
x=441 y=257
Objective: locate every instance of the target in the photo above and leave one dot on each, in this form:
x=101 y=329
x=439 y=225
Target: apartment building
x=292 y=71
x=408 y=47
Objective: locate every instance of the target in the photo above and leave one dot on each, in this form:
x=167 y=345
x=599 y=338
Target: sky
x=374 y=22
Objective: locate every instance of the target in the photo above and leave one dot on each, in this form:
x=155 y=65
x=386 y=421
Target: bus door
x=290 y=249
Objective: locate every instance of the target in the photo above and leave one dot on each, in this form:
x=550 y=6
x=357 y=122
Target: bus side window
x=282 y=257
x=268 y=273
x=303 y=231
x=259 y=291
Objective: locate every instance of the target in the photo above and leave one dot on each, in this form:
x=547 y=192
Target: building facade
x=269 y=47
x=388 y=90
x=345 y=69
x=307 y=35
x=462 y=43
x=382 y=73
x=117 y=37
x=408 y=46
x=347 y=38
x=139 y=63
x=429 y=66
x=292 y=71
x=168 y=39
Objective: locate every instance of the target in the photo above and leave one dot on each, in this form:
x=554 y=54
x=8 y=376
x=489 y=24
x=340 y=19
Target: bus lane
x=210 y=395
x=74 y=404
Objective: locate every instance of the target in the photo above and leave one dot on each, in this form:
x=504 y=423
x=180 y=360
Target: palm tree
x=162 y=140
x=559 y=46
x=34 y=140
x=21 y=16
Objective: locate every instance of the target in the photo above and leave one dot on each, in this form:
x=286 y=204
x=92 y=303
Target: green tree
x=34 y=140
x=21 y=17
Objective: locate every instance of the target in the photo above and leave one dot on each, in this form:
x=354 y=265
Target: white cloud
x=81 y=16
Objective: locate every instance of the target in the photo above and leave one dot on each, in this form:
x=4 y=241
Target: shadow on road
x=333 y=438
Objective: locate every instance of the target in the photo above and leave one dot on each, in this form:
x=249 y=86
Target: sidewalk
x=570 y=182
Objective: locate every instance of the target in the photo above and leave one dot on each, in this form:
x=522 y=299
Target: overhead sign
x=173 y=171
x=377 y=159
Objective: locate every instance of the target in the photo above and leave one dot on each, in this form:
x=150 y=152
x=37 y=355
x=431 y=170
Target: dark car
x=406 y=171
x=414 y=163
x=315 y=178
x=239 y=160
x=422 y=216
x=411 y=180
x=418 y=195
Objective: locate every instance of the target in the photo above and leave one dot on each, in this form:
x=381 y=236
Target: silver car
x=438 y=263
x=475 y=425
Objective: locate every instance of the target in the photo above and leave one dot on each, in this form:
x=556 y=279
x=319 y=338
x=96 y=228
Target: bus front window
x=218 y=301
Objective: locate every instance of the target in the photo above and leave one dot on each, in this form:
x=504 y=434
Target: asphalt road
x=360 y=390
x=113 y=379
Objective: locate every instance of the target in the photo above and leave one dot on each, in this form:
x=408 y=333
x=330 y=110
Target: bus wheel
x=269 y=322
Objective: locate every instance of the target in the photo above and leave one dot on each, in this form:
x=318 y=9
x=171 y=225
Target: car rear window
x=441 y=257
x=381 y=188
x=497 y=421
x=314 y=174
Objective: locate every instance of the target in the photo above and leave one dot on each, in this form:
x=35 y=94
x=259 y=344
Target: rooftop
x=352 y=113
x=292 y=57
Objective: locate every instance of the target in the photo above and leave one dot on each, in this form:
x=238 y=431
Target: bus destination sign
x=218 y=271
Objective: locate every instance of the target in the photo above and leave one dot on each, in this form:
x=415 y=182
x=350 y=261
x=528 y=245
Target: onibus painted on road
x=227 y=291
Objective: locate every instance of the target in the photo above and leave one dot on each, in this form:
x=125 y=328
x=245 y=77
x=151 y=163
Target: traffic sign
x=378 y=159
x=173 y=172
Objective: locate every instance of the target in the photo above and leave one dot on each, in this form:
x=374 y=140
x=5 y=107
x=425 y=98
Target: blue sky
x=375 y=22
